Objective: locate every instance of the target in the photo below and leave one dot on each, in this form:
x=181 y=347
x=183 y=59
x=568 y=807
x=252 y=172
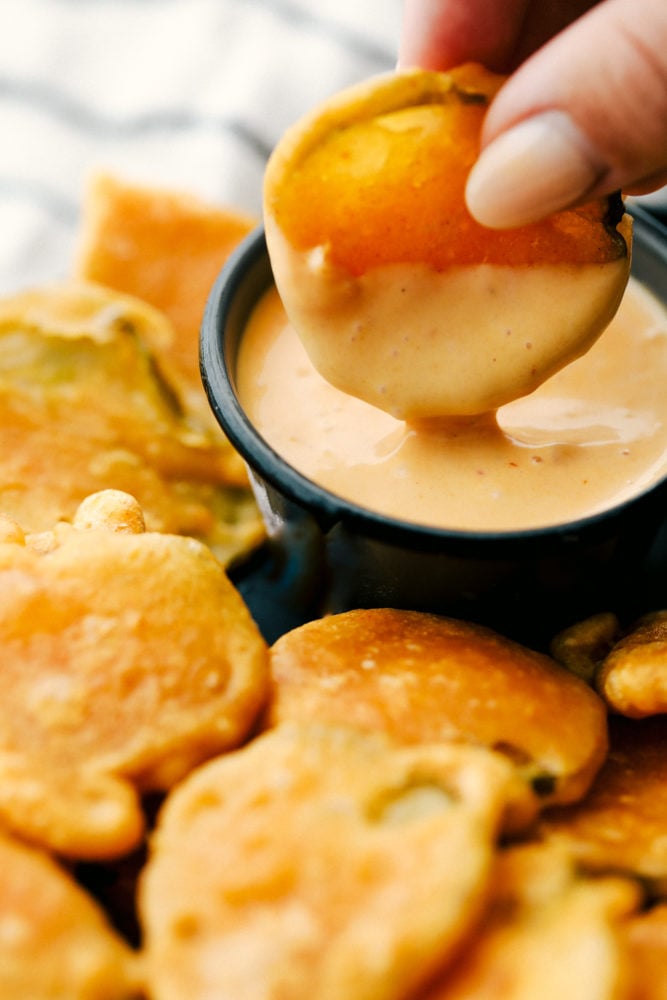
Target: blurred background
x=184 y=94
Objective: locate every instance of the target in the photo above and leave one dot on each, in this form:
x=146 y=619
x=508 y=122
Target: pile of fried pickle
x=384 y=805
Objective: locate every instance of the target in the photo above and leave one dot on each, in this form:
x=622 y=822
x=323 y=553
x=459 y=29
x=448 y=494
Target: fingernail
x=540 y=166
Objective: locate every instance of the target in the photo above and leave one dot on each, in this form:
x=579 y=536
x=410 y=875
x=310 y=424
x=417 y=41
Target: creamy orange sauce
x=592 y=436
x=419 y=343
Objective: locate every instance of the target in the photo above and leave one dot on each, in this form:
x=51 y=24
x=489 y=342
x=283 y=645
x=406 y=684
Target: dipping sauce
x=589 y=438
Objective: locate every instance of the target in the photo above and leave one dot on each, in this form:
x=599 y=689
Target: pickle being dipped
x=399 y=296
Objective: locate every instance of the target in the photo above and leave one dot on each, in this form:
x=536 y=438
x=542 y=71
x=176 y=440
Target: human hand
x=584 y=111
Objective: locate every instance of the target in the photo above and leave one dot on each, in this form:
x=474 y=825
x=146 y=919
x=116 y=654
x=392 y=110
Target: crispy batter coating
x=55 y=942
x=343 y=866
x=423 y=678
x=399 y=296
x=646 y=938
x=621 y=825
x=377 y=175
x=582 y=647
x=127 y=658
x=545 y=933
x=167 y=248
x=83 y=408
x=633 y=676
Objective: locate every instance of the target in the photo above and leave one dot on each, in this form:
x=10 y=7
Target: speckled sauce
x=593 y=435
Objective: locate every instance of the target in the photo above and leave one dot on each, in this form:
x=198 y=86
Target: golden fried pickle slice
x=127 y=658
x=166 y=247
x=424 y=678
x=318 y=862
x=633 y=676
x=581 y=647
x=55 y=942
x=545 y=933
x=83 y=408
x=399 y=296
x=646 y=939
x=621 y=825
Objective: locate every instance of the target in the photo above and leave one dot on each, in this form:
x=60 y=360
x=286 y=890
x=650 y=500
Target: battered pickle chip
x=399 y=296
x=646 y=939
x=620 y=825
x=423 y=678
x=545 y=933
x=633 y=676
x=318 y=862
x=83 y=407
x=166 y=248
x=127 y=658
x=583 y=646
x=55 y=942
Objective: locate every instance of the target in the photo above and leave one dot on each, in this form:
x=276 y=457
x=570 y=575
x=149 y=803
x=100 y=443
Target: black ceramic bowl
x=326 y=554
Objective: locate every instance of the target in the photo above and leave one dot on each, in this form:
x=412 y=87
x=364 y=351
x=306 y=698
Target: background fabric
x=186 y=94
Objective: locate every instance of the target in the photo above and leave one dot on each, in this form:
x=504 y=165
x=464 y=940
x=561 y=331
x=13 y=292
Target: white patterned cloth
x=186 y=94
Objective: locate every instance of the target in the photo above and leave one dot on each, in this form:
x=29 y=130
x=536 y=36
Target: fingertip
x=537 y=167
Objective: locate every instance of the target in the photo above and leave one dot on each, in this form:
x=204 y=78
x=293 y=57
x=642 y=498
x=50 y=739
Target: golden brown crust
x=127 y=659
x=372 y=247
x=55 y=942
x=581 y=647
x=632 y=678
x=167 y=248
x=646 y=940
x=424 y=678
x=343 y=867
x=621 y=824
x=84 y=407
x=546 y=932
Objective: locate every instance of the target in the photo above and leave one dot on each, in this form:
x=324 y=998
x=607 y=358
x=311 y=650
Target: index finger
x=500 y=34
x=440 y=34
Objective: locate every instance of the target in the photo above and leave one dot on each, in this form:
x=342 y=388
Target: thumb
x=584 y=116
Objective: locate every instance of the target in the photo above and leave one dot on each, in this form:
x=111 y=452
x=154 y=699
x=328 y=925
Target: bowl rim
x=249 y=263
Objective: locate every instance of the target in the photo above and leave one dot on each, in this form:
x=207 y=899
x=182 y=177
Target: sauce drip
x=592 y=436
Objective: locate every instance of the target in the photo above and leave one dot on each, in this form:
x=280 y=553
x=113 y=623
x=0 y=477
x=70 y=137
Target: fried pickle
x=84 y=407
x=424 y=678
x=546 y=932
x=621 y=825
x=127 y=658
x=55 y=942
x=165 y=247
x=400 y=297
x=318 y=862
x=581 y=647
x=632 y=678
x=646 y=939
